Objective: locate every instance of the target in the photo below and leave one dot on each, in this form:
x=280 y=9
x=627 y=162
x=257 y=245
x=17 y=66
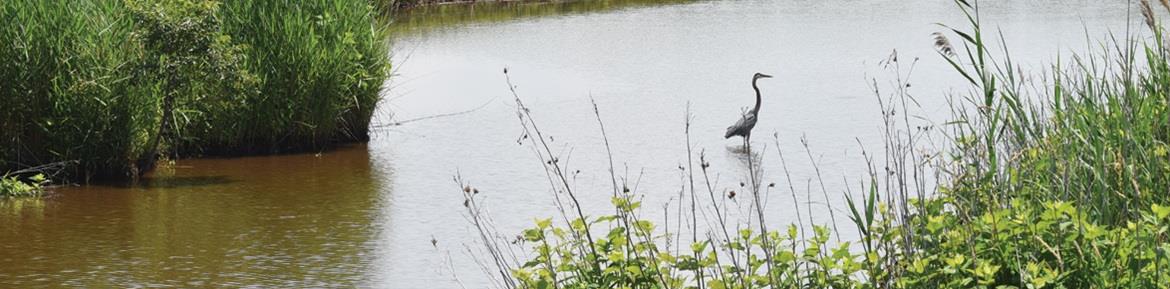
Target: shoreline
x=406 y=6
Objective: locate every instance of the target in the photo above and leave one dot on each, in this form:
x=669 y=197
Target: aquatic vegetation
x=1057 y=184
x=115 y=84
x=12 y=186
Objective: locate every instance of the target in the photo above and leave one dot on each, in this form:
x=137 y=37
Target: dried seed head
x=1148 y=15
x=942 y=44
x=466 y=189
x=731 y=195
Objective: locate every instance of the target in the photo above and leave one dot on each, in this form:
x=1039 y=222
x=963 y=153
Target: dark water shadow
x=749 y=159
x=172 y=182
x=738 y=150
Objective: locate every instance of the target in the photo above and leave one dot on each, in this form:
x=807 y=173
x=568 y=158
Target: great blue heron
x=744 y=126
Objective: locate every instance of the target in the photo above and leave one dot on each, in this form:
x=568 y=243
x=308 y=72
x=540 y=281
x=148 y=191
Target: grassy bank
x=390 y=6
x=425 y=15
x=113 y=84
x=1045 y=181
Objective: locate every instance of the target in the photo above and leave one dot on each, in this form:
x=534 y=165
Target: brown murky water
x=277 y=222
x=364 y=216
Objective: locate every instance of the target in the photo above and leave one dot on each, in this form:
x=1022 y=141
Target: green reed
x=1095 y=133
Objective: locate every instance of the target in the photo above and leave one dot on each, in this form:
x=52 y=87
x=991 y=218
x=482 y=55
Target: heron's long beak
x=765 y=76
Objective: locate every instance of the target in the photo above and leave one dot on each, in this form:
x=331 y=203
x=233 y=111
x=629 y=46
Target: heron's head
x=760 y=75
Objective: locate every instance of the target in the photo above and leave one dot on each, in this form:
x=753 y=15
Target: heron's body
x=747 y=121
x=743 y=127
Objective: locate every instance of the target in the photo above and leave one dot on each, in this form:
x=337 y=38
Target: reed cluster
x=67 y=86
x=115 y=84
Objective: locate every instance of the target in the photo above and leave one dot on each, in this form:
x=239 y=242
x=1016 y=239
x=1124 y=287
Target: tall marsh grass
x=113 y=83
x=321 y=65
x=67 y=86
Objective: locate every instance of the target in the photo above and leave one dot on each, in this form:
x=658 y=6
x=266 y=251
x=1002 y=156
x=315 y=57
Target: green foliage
x=630 y=257
x=1048 y=245
x=12 y=186
x=201 y=71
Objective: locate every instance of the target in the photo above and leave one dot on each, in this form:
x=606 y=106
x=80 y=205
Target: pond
x=388 y=214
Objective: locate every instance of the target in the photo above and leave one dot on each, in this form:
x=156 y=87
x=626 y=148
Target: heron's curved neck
x=757 y=108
